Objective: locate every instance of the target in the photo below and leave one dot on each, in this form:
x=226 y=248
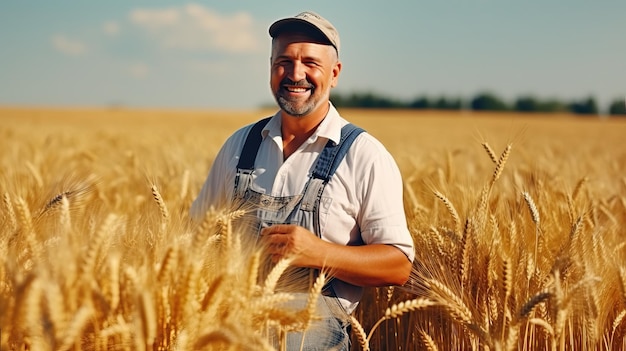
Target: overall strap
x=332 y=155
x=251 y=146
x=326 y=165
x=245 y=167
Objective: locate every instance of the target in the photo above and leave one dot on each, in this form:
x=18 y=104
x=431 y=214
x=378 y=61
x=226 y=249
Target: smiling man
x=315 y=187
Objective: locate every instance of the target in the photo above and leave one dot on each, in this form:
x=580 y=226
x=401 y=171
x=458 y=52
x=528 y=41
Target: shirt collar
x=330 y=128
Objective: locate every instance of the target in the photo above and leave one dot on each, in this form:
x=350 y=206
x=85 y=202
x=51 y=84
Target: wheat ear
x=451 y=210
x=429 y=343
x=11 y=212
x=500 y=165
x=360 y=333
x=490 y=152
x=65 y=219
x=532 y=207
x=451 y=302
x=89 y=259
x=272 y=278
x=168 y=263
x=209 y=296
x=530 y=305
x=76 y=327
x=618 y=321
x=542 y=323
x=399 y=309
x=159 y=200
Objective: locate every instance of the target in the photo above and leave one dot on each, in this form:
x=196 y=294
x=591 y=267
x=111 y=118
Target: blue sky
x=215 y=54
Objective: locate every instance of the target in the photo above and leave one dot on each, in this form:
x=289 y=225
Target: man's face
x=302 y=73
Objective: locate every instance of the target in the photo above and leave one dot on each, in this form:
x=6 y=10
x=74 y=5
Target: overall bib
x=332 y=332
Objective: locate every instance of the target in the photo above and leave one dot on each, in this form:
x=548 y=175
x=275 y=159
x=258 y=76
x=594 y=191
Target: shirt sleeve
x=382 y=219
x=218 y=187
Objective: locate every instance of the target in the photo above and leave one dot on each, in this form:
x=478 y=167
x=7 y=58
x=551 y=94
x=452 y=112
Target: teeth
x=297 y=90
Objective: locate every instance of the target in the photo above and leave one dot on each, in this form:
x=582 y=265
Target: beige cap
x=309 y=20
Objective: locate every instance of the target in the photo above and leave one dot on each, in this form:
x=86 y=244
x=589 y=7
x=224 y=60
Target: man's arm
x=365 y=265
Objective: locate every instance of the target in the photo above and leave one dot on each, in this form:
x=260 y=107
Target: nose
x=298 y=71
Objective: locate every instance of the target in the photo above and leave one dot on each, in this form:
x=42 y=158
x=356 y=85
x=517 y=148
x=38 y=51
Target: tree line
x=484 y=101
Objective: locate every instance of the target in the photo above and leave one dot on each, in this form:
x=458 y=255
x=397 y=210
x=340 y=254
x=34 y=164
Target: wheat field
x=517 y=220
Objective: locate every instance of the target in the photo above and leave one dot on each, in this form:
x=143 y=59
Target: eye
x=282 y=62
x=311 y=63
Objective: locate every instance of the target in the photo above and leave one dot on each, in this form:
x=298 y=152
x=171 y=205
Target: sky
x=215 y=54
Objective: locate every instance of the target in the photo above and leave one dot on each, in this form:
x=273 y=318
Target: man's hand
x=288 y=240
x=364 y=265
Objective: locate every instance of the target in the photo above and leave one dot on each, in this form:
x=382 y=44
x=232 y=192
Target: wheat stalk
x=184 y=186
x=147 y=320
x=464 y=250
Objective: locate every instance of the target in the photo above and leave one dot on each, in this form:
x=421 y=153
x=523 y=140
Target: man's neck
x=295 y=130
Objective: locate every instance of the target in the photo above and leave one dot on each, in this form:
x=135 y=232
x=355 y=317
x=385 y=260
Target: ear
x=335 y=76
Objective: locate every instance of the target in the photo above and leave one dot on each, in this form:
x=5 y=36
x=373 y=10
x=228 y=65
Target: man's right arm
x=218 y=187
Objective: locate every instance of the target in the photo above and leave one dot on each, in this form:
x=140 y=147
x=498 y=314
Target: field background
x=68 y=175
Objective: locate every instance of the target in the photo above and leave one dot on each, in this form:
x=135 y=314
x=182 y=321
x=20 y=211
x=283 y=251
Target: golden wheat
x=74 y=212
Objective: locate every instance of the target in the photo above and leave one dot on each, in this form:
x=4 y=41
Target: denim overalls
x=264 y=210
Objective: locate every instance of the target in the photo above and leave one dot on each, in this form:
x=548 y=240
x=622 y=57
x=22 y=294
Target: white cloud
x=150 y=18
x=111 y=28
x=139 y=70
x=68 y=46
x=195 y=27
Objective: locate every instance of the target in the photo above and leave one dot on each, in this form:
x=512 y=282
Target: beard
x=294 y=106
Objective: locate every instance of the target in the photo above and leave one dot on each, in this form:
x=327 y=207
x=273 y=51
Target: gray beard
x=289 y=107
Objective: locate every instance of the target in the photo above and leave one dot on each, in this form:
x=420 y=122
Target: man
x=321 y=191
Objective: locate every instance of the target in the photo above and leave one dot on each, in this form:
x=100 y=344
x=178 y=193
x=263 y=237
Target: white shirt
x=361 y=204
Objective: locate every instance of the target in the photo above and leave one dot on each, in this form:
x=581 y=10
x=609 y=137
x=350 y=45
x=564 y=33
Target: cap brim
x=295 y=24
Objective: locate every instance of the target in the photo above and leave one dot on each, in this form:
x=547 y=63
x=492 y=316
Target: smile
x=296 y=89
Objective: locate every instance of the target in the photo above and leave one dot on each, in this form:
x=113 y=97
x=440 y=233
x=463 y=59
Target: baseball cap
x=308 y=20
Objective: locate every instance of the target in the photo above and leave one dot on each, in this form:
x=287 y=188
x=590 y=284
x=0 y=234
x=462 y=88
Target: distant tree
x=488 y=102
x=551 y=106
x=526 y=104
x=532 y=104
x=420 y=103
x=365 y=100
x=618 y=107
x=448 y=104
x=337 y=99
x=587 y=106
